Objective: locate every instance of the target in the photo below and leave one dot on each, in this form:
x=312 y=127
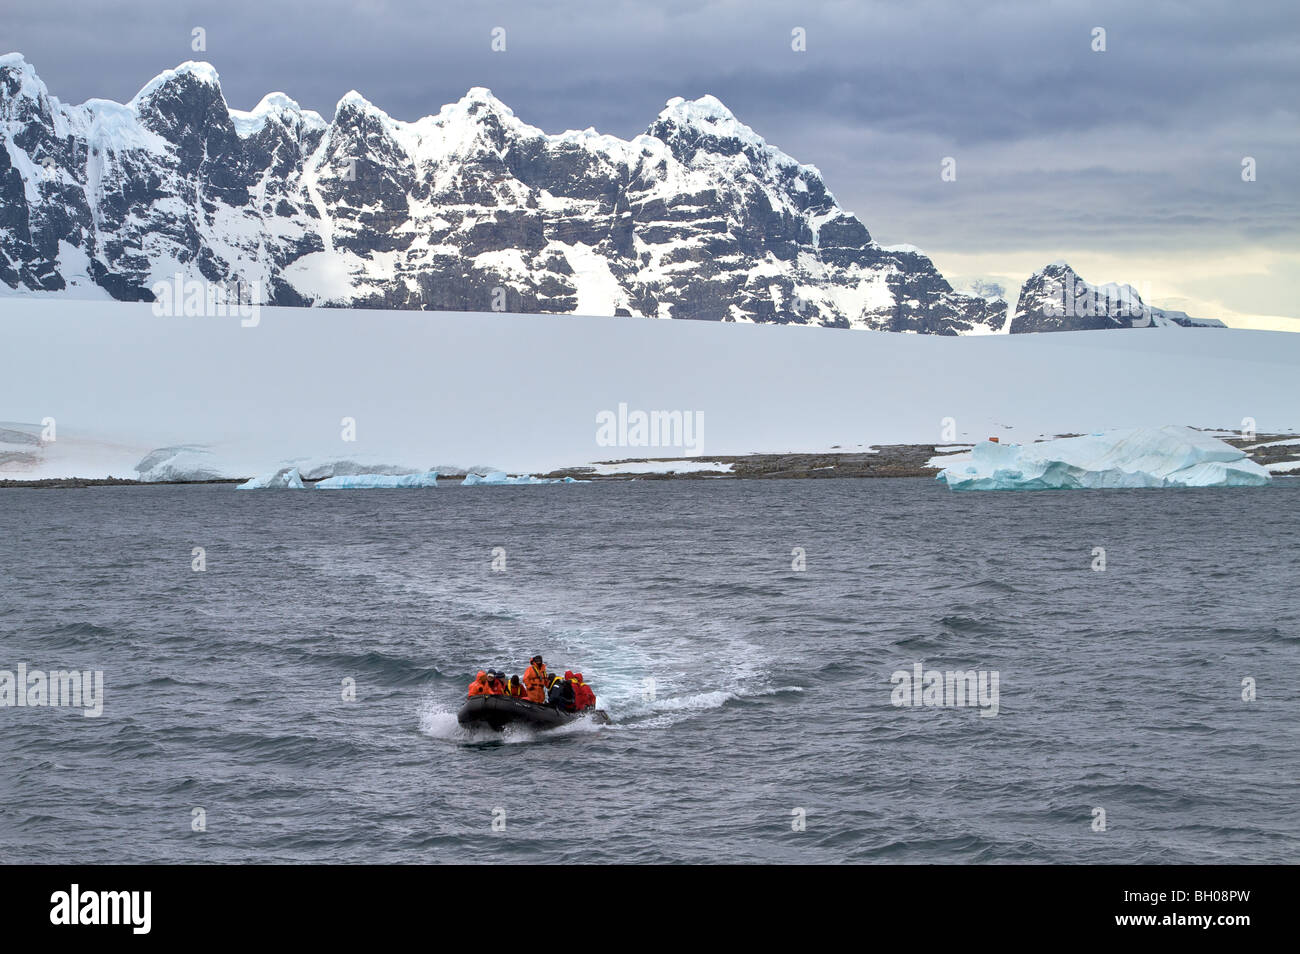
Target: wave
x=663 y=712
x=394 y=670
x=72 y=635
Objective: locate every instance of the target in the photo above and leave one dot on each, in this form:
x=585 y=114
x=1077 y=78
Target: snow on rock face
x=698 y=218
x=1057 y=299
x=1170 y=456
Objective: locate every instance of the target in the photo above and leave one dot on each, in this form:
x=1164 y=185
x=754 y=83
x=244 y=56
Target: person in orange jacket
x=535 y=680
x=515 y=688
x=583 y=694
x=496 y=685
x=479 y=687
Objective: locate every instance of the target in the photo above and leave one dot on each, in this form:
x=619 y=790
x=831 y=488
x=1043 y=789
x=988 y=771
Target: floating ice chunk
x=286 y=478
x=501 y=478
x=378 y=481
x=496 y=477
x=1169 y=456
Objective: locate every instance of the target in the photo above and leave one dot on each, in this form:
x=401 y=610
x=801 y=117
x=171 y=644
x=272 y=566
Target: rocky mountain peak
x=466 y=209
x=1056 y=298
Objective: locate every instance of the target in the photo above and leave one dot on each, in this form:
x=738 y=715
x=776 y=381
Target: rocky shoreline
x=885 y=460
x=77 y=483
x=875 y=461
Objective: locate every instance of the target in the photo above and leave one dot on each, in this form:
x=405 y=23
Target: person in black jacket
x=561 y=694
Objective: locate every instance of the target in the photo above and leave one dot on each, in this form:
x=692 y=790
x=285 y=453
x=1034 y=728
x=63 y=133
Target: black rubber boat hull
x=501 y=711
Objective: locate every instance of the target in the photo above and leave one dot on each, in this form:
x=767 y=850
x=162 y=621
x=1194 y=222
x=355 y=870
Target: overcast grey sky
x=1127 y=163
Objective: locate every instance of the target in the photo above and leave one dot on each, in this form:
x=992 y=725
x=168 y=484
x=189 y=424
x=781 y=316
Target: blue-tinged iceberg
x=1169 y=456
x=499 y=478
x=286 y=478
x=378 y=481
x=493 y=477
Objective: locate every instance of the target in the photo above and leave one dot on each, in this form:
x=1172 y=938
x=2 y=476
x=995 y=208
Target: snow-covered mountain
x=470 y=209
x=1055 y=298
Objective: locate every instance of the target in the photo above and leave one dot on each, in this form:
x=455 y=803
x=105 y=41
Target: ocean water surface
x=752 y=703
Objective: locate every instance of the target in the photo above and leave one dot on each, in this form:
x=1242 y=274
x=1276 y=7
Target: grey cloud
x=885 y=90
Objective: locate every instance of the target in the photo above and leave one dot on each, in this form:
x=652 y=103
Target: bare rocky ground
x=1267 y=455
x=75 y=483
x=884 y=460
x=887 y=460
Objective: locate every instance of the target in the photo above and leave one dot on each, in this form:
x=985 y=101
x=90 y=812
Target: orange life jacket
x=535 y=683
x=478 y=687
x=494 y=688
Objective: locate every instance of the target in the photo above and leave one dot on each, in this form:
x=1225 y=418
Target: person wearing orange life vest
x=496 y=683
x=536 y=680
x=515 y=688
x=479 y=687
x=584 y=695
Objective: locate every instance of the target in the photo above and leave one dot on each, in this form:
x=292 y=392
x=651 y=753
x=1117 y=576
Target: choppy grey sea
x=295 y=699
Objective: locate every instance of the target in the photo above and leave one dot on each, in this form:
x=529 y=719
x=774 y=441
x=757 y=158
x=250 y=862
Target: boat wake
x=663 y=712
x=650 y=672
x=438 y=720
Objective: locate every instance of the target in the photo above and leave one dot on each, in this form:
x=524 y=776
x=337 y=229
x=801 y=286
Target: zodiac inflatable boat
x=501 y=711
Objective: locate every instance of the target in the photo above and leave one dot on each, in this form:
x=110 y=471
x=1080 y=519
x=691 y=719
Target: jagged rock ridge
x=468 y=209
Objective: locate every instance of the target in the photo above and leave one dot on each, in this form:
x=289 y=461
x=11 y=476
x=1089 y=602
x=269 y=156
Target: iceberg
x=286 y=478
x=493 y=477
x=319 y=468
x=378 y=481
x=1170 y=456
x=499 y=478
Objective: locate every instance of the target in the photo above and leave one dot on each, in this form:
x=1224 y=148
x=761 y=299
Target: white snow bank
x=429 y=479
x=183 y=462
x=947 y=455
x=286 y=478
x=273 y=396
x=662 y=467
x=1170 y=456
